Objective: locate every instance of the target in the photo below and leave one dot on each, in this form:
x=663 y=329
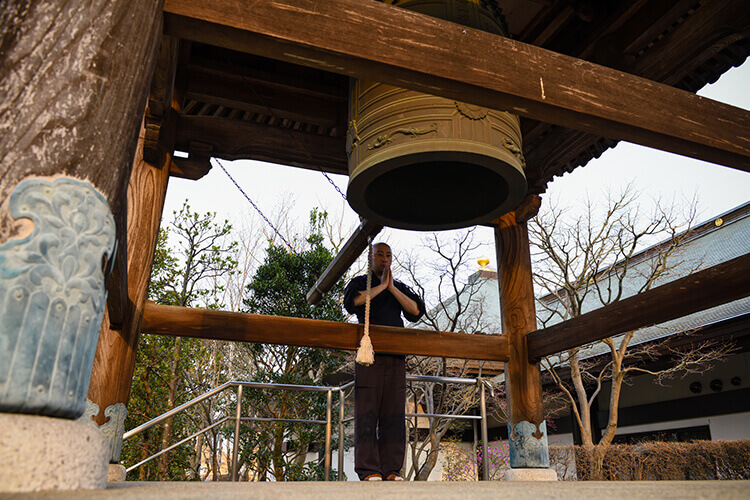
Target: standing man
x=380 y=389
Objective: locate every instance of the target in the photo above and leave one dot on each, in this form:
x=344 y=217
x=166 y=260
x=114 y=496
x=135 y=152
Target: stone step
x=656 y=490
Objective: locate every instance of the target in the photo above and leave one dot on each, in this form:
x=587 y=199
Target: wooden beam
x=285 y=77
x=114 y=360
x=241 y=327
x=237 y=92
x=711 y=287
x=239 y=139
x=189 y=168
x=160 y=101
x=384 y=43
x=351 y=250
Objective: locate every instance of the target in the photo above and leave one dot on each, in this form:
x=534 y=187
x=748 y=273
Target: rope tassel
x=365 y=353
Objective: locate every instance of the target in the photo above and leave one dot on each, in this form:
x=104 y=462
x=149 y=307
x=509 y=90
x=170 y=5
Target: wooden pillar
x=527 y=433
x=115 y=353
x=74 y=79
x=114 y=362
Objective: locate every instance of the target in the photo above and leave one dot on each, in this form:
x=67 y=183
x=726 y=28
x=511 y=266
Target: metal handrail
x=216 y=390
x=327 y=422
x=159 y=453
x=446 y=380
x=174 y=411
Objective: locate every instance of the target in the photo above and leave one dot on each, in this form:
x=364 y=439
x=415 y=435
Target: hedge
x=654 y=461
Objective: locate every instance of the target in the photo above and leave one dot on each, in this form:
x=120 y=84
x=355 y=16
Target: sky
x=655 y=173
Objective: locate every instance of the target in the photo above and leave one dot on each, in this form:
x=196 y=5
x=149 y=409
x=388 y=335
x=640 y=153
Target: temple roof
x=243 y=106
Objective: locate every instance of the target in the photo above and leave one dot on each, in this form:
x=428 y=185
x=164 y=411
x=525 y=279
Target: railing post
x=341 y=435
x=236 y=446
x=474 y=450
x=329 y=400
x=485 y=451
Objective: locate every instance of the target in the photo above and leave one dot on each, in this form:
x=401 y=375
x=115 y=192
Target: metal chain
x=255 y=206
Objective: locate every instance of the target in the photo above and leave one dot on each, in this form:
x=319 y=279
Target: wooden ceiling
x=242 y=106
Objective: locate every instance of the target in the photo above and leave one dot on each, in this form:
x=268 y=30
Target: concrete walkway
x=413 y=491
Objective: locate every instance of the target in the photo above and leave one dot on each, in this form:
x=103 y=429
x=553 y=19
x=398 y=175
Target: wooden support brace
x=379 y=42
x=351 y=250
x=242 y=327
x=711 y=287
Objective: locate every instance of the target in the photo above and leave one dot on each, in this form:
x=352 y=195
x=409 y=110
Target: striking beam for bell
x=422 y=162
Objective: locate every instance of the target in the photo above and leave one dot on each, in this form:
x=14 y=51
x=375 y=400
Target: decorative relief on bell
x=352 y=138
x=409 y=132
x=515 y=150
x=471 y=111
x=433 y=163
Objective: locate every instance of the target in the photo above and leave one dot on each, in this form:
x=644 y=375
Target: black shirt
x=385 y=310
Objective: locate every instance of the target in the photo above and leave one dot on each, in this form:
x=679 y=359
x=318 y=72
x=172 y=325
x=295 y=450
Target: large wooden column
x=527 y=433
x=115 y=353
x=73 y=80
x=114 y=362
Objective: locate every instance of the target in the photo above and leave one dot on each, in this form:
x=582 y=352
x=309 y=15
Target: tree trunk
x=167 y=435
x=145 y=442
x=431 y=461
x=278 y=461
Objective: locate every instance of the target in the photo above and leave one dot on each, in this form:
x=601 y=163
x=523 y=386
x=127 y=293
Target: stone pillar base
x=43 y=453
x=530 y=475
x=116 y=473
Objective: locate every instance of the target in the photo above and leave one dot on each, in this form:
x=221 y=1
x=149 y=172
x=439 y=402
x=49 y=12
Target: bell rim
x=511 y=170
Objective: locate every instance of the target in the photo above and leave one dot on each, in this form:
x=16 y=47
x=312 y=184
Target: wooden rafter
x=415 y=51
x=237 y=92
x=241 y=327
x=711 y=287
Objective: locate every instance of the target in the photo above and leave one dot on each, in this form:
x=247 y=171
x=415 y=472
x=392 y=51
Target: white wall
x=723 y=427
x=730 y=427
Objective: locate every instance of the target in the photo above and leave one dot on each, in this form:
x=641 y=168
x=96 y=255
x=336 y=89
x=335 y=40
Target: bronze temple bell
x=422 y=162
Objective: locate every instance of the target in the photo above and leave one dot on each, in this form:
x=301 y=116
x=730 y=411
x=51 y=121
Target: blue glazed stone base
x=528 y=445
x=52 y=296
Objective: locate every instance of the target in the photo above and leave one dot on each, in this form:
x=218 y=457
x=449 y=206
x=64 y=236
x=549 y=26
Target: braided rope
x=365 y=353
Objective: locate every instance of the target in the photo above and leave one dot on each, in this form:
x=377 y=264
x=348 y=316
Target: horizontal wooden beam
x=238 y=139
x=711 y=287
x=241 y=327
x=237 y=92
x=344 y=259
x=379 y=42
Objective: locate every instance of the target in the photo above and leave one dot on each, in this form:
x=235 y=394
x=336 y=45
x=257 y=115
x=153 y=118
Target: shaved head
x=381 y=257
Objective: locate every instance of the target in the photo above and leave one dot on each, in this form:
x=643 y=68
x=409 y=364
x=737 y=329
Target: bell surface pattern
x=422 y=162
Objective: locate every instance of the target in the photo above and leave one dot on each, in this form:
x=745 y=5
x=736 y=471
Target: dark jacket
x=385 y=310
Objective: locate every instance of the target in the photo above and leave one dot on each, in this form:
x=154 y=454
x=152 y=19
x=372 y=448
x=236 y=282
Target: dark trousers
x=379 y=425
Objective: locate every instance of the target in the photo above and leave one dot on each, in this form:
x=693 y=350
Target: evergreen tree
x=279 y=287
x=171 y=370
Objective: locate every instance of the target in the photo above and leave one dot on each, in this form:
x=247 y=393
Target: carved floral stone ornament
x=52 y=296
x=528 y=445
x=113 y=428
